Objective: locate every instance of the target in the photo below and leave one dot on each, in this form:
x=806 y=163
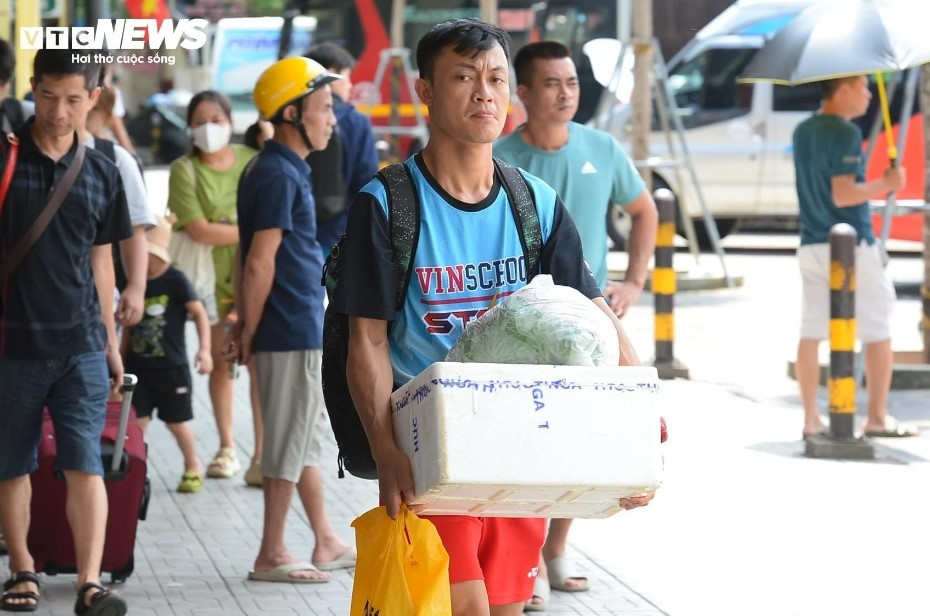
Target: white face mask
x=212 y=137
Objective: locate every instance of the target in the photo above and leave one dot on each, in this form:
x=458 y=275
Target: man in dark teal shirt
x=832 y=189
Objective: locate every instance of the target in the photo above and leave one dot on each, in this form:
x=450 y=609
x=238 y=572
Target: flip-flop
x=805 y=435
x=558 y=575
x=893 y=429
x=281 y=573
x=540 y=591
x=343 y=561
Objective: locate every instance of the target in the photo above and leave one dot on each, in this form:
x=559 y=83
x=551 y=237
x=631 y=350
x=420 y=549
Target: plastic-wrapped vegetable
x=542 y=323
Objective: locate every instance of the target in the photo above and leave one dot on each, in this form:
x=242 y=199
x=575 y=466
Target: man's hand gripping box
x=514 y=440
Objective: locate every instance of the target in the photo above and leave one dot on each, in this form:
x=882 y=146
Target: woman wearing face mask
x=202 y=196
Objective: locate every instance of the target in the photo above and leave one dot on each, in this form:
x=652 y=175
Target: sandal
x=542 y=593
x=224 y=465
x=253 y=476
x=9 y=596
x=559 y=575
x=190 y=483
x=103 y=603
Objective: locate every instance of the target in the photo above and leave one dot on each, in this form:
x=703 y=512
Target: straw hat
x=158 y=238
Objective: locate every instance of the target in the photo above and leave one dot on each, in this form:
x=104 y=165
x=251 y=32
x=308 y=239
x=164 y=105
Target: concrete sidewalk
x=194 y=551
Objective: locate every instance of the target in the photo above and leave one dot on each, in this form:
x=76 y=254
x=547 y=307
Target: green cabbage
x=542 y=323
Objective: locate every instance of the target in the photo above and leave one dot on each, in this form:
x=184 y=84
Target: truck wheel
x=618 y=226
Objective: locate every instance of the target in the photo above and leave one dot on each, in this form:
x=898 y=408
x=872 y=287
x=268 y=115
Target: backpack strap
x=106 y=147
x=404 y=220
x=524 y=213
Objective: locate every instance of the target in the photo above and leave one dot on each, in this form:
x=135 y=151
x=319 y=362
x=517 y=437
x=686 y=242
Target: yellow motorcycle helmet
x=287 y=81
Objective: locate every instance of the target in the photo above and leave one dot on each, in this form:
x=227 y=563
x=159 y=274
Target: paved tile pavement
x=195 y=550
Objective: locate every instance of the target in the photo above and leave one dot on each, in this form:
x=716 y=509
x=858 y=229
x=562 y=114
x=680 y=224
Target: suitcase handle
x=129 y=386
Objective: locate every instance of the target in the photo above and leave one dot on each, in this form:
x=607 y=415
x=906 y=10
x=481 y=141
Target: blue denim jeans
x=75 y=390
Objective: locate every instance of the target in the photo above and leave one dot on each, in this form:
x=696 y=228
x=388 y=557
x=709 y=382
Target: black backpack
x=12 y=116
x=326 y=171
x=404 y=221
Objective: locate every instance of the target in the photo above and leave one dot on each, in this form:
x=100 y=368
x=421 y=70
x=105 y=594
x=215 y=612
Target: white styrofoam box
x=512 y=440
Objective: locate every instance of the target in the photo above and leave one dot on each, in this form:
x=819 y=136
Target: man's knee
x=82 y=479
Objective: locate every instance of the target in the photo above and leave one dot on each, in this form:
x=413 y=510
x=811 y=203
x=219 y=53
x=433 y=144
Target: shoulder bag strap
x=524 y=213
x=45 y=217
x=8 y=168
x=404 y=220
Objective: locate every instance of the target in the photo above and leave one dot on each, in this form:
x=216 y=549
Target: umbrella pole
x=907 y=107
x=878 y=121
x=886 y=116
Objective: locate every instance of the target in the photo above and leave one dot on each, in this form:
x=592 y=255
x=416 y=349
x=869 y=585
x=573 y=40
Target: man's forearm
x=135 y=258
x=628 y=356
x=257 y=278
x=101 y=261
x=641 y=247
x=237 y=281
x=371 y=380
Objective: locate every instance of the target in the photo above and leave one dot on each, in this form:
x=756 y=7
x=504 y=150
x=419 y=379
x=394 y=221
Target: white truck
x=739 y=135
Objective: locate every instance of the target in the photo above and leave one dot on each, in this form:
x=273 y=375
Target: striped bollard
x=841 y=443
x=663 y=288
x=842 y=384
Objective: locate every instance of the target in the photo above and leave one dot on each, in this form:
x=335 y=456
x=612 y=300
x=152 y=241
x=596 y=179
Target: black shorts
x=168 y=390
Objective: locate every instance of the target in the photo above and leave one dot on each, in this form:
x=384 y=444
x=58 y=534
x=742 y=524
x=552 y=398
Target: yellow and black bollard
x=664 y=286
x=842 y=382
x=841 y=442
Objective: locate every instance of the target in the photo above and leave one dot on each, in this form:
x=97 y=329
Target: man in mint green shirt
x=587 y=167
x=590 y=171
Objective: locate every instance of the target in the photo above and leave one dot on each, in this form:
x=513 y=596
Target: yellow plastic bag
x=402 y=567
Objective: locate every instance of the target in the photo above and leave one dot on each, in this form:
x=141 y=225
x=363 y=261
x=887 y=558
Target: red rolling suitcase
x=124 y=461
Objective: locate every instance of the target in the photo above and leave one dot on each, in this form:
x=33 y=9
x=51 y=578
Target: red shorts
x=504 y=552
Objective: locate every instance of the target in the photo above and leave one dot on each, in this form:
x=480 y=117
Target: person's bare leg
x=471 y=599
x=556 y=542
x=328 y=544
x=511 y=609
x=143 y=423
x=556 y=538
x=258 y=426
x=184 y=435
x=807 y=371
x=86 y=508
x=273 y=551
x=221 y=389
x=15 y=497
x=879 y=365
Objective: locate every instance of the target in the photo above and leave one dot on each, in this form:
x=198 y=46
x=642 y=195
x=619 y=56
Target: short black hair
x=468 y=36
x=331 y=56
x=545 y=50
x=250 y=137
x=830 y=86
x=60 y=62
x=7 y=62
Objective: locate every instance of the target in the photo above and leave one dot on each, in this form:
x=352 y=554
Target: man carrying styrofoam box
x=567 y=440
x=468 y=250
